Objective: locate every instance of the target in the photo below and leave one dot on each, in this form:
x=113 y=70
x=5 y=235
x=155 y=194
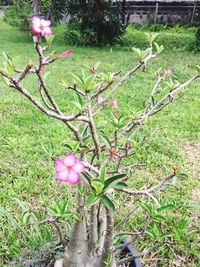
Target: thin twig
x=139 y=255
x=124 y=220
x=150 y=190
x=135 y=236
x=94 y=132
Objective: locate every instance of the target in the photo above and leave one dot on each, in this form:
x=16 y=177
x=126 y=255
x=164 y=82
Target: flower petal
x=66 y=53
x=78 y=167
x=73 y=178
x=36 y=20
x=62 y=176
x=45 y=22
x=46 y=31
x=70 y=160
x=60 y=166
x=36 y=28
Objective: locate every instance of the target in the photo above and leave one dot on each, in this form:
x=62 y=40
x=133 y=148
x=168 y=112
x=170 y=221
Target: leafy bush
x=18 y=14
x=94 y=23
x=173 y=38
x=73 y=33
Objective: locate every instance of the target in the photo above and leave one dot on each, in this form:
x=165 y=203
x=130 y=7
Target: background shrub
x=18 y=14
x=97 y=22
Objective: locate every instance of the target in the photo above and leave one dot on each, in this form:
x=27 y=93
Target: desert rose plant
x=98 y=167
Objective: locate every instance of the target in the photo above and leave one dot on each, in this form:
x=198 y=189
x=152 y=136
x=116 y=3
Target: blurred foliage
x=93 y=23
x=20 y=11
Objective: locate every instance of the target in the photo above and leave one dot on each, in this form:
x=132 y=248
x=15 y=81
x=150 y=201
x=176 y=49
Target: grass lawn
x=29 y=140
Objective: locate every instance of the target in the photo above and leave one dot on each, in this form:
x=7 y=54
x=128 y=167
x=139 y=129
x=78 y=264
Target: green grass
x=29 y=140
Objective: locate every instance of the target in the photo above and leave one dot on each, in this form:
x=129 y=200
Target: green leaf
x=182 y=175
x=159 y=218
x=166 y=234
x=113 y=180
x=68 y=147
x=102 y=174
x=137 y=51
x=49 y=39
x=91 y=200
x=85 y=132
x=147 y=207
x=76 y=146
x=79 y=99
x=158 y=48
x=83 y=190
x=96 y=66
x=166 y=207
x=107 y=202
x=151 y=37
x=14 y=222
x=150 y=232
x=120 y=185
x=106 y=140
x=87 y=178
x=152 y=101
x=98 y=186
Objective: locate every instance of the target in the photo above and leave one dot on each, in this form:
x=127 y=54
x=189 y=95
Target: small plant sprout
x=99 y=164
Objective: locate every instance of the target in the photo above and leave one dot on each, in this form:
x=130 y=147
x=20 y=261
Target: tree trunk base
x=59 y=263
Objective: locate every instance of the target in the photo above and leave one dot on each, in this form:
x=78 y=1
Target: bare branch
x=139 y=255
x=25 y=71
x=54 y=221
x=101 y=90
x=150 y=190
x=22 y=90
x=91 y=167
x=49 y=96
x=159 y=106
x=77 y=90
x=125 y=77
x=124 y=220
x=135 y=236
x=94 y=132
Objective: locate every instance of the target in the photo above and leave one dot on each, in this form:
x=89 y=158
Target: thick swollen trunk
x=76 y=252
x=91 y=248
x=80 y=252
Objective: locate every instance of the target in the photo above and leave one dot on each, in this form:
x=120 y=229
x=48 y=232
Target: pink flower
x=69 y=169
x=41 y=26
x=169 y=71
x=100 y=99
x=114 y=104
x=65 y=54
